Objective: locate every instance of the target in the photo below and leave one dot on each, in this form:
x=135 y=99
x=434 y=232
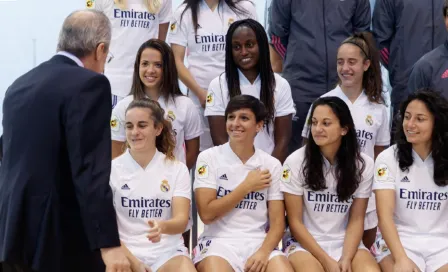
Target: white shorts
x=428 y=253
x=235 y=252
x=115 y=100
x=332 y=248
x=165 y=257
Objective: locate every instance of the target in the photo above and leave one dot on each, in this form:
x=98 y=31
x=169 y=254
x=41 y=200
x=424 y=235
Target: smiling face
x=418 y=123
x=242 y=125
x=151 y=69
x=245 y=49
x=351 y=65
x=141 y=131
x=325 y=127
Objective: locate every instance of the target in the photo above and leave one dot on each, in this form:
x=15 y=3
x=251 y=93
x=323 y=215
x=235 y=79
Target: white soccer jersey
x=182 y=113
x=218 y=98
x=130 y=29
x=421 y=207
x=324 y=216
x=220 y=168
x=371 y=121
x=143 y=194
x=206 y=48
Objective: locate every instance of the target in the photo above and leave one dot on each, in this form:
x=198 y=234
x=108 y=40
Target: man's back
x=46 y=152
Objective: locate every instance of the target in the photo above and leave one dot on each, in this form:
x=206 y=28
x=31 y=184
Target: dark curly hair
x=438 y=106
x=350 y=164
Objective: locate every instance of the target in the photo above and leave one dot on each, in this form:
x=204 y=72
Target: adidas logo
x=405 y=179
x=445 y=74
x=125 y=187
x=224 y=177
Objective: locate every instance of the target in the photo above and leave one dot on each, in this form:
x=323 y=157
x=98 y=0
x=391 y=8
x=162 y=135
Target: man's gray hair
x=82 y=31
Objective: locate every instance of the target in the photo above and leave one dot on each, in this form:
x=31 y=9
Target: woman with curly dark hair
x=326 y=186
x=411 y=189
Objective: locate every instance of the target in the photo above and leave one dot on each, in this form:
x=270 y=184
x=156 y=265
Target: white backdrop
x=29 y=30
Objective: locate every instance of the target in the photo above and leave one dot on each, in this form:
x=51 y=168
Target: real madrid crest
x=171 y=115
x=165 y=187
x=369 y=120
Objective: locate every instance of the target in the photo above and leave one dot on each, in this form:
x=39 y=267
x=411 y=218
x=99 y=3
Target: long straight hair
x=170 y=83
x=264 y=67
x=350 y=164
x=193 y=5
x=153 y=6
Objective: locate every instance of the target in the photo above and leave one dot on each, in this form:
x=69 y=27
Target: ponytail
x=371 y=80
x=153 y=6
x=165 y=142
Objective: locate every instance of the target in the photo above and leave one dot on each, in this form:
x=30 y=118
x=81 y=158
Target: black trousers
x=8 y=267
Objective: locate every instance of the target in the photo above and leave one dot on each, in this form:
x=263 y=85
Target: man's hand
x=115 y=260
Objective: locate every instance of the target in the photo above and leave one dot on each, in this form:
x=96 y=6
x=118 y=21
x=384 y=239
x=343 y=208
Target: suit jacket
x=56 y=207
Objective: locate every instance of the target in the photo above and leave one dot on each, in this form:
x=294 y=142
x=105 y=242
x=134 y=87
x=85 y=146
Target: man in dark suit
x=56 y=207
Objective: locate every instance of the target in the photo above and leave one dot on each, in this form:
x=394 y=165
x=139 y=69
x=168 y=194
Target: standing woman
x=411 y=189
x=237 y=189
x=155 y=77
x=198 y=31
x=360 y=86
x=133 y=23
x=152 y=192
x=326 y=185
x=248 y=71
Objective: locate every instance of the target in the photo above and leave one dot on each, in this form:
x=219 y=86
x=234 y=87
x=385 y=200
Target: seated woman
x=152 y=192
x=327 y=184
x=411 y=191
x=248 y=71
x=237 y=189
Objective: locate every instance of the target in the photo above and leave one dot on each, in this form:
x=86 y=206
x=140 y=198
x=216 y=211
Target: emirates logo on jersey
x=165 y=187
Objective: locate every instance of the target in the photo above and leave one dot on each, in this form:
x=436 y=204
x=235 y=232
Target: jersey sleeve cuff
x=209 y=186
x=380 y=186
x=213 y=113
x=363 y=195
x=195 y=135
x=118 y=138
x=182 y=195
x=176 y=41
x=289 y=191
x=383 y=143
x=285 y=113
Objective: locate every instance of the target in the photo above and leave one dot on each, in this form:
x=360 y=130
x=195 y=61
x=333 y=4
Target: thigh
x=214 y=263
x=387 y=264
x=363 y=261
x=279 y=263
x=179 y=261
x=223 y=249
x=305 y=261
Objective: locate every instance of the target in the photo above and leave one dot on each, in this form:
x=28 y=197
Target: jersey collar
x=137 y=166
x=245 y=81
x=428 y=162
x=251 y=163
x=361 y=100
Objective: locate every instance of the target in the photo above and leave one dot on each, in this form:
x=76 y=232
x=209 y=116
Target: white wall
x=29 y=30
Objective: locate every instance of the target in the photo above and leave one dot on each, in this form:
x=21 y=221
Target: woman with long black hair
x=326 y=185
x=411 y=189
x=197 y=32
x=248 y=71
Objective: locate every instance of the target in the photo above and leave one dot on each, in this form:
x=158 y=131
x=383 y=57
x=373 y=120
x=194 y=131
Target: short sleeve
x=193 y=121
x=306 y=125
x=365 y=186
x=274 y=192
x=291 y=177
x=215 y=104
x=250 y=9
x=285 y=105
x=183 y=184
x=179 y=29
x=165 y=12
x=118 y=122
x=205 y=174
x=385 y=170
x=383 y=138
